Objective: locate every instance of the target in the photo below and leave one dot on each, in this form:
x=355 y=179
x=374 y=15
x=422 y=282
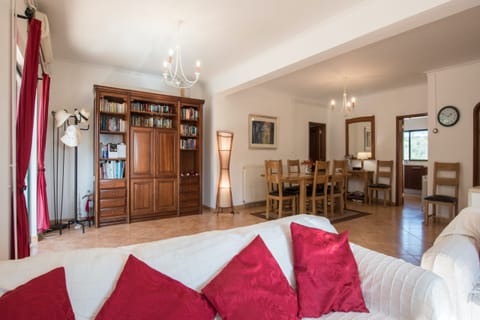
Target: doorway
x=317 y=139
x=400 y=153
x=476 y=145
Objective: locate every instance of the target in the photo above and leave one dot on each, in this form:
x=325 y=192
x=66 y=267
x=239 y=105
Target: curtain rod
x=29 y=14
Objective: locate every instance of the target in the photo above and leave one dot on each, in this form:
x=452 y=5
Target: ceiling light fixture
x=173 y=69
x=348 y=104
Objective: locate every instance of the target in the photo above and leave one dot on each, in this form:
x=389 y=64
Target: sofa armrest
x=455 y=259
x=399 y=289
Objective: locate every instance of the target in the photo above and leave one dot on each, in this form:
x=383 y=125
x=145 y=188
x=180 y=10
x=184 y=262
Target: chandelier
x=173 y=69
x=348 y=104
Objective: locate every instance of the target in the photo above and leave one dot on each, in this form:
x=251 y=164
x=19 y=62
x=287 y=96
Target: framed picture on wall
x=262 y=132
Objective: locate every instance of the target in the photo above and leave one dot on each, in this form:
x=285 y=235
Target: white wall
x=457 y=86
x=231 y=113
x=72 y=86
x=5 y=105
x=385 y=106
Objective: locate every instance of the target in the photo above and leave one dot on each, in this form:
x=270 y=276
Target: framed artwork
x=262 y=132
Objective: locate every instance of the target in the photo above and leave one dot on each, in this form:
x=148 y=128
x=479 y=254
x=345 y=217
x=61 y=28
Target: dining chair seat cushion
x=292 y=189
x=441 y=198
x=319 y=192
x=379 y=185
x=284 y=193
x=336 y=190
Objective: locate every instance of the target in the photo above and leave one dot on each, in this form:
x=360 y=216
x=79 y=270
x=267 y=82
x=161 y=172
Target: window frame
x=410 y=144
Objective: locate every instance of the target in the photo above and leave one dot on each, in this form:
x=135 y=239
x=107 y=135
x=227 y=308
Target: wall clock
x=448 y=116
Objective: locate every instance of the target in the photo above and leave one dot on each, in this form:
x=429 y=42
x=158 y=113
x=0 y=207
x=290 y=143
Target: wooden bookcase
x=157 y=167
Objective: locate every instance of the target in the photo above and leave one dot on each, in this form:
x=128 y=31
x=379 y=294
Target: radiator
x=253 y=183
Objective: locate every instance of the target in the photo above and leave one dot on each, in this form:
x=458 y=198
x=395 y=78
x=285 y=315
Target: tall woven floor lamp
x=224 y=188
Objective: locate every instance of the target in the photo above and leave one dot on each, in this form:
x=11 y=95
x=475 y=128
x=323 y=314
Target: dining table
x=303 y=179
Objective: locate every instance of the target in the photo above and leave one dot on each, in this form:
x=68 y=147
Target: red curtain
x=24 y=130
x=43 y=219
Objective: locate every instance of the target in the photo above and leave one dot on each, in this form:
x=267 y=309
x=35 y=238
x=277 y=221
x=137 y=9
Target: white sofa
x=392 y=288
x=455 y=257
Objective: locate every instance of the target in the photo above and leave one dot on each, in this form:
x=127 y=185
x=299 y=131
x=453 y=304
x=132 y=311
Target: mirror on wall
x=360 y=137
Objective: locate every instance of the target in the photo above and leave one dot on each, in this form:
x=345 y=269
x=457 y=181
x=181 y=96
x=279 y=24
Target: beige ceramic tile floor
x=395 y=231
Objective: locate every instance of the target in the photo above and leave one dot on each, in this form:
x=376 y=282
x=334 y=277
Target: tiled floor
x=395 y=231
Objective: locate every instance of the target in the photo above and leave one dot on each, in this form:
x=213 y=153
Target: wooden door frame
x=476 y=156
x=399 y=155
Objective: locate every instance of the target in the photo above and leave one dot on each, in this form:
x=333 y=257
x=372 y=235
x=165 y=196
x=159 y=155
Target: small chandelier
x=173 y=69
x=348 y=104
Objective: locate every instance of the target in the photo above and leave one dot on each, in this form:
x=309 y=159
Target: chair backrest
x=385 y=172
x=340 y=166
x=323 y=166
x=293 y=166
x=320 y=177
x=273 y=174
x=446 y=174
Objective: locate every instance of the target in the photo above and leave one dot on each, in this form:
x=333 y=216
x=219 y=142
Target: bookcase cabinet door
x=141 y=195
x=166 y=153
x=142 y=153
x=166 y=196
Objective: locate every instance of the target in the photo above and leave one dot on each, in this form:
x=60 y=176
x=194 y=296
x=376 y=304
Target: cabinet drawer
x=189 y=196
x=112 y=212
x=189 y=203
x=113 y=183
x=112 y=203
x=189 y=180
x=113 y=193
x=189 y=188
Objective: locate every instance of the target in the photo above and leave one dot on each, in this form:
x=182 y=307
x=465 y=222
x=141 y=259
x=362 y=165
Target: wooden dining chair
x=383 y=182
x=293 y=167
x=336 y=191
x=445 y=178
x=318 y=191
x=340 y=166
x=275 y=191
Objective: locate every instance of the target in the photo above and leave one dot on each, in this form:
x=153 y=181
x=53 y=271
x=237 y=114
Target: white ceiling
x=136 y=35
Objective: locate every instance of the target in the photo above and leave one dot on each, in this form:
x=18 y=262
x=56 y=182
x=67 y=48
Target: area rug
x=347 y=215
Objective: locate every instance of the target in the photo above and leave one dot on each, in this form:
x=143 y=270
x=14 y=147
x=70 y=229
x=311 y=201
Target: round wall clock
x=448 y=116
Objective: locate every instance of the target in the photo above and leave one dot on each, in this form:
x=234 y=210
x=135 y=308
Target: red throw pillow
x=145 y=293
x=44 y=297
x=326 y=272
x=252 y=286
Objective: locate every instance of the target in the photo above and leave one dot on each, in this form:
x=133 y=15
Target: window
x=415 y=145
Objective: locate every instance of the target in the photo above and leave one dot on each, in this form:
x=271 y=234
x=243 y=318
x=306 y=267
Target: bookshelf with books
x=111 y=144
x=190 y=129
x=148 y=155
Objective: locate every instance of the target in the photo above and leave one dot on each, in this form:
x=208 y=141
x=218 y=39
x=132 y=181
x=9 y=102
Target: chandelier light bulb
x=332 y=104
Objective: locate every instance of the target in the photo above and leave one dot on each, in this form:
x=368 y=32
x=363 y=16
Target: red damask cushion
x=252 y=286
x=44 y=297
x=145 y=293
x=326 y=272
